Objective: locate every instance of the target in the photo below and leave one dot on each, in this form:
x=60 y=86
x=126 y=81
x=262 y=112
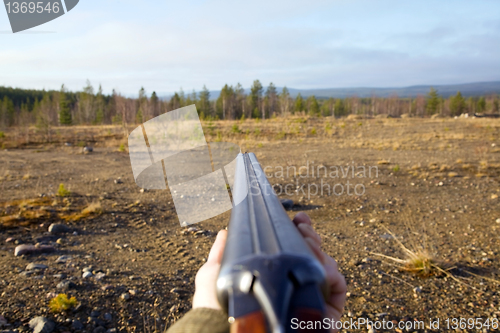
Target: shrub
x=121 y=148
x=257 y=131
x=396 y=168
x=235 y=129
x=62 y=191
x=2 y=135
x=61 y=303
x=313 y=131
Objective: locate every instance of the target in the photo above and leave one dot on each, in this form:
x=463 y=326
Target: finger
x=307 y=231
x=215 y=255
x=302 y=218
x=313 y=245
x=337 y=284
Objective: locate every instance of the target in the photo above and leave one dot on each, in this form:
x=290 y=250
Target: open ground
x=433 y=188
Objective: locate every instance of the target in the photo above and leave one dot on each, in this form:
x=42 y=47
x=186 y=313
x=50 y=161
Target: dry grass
x=419 y=260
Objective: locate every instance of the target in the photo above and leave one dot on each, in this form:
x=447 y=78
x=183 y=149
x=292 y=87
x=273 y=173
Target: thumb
x=215 y=255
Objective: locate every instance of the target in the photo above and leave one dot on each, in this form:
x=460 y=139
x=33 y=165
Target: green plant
x=259 y=145
x=328 y=127
x=2 y=135
x=62 y=191
x=219 y=136
x=313 y=131
x=257 y=131
x=235 y=129
x=396 y=168
x=81 y=144
x=280 y=135
x=121 y=148
x=61 y=303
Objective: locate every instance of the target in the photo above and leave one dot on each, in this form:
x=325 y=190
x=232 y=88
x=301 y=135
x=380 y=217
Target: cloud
x=310 y=45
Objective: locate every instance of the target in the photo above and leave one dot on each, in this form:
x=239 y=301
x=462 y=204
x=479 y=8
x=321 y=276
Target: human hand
x=205 y=294
x=336 y=281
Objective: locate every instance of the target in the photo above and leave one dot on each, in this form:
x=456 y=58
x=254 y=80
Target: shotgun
x=268 y=274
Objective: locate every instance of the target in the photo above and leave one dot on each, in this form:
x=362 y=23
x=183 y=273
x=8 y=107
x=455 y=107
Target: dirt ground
x=434 y=185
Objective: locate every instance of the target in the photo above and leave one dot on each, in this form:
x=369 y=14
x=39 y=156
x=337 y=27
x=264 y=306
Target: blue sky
x=166 y=45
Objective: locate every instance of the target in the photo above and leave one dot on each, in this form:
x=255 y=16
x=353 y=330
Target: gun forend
x=268 y=274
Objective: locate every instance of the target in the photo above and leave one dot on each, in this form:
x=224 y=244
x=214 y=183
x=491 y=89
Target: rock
x=498 y=220
x=26 y=273
x=77 y=325
x=107 y=316
x=111 y=330
x=9 y=240
x=59 y=276
x=107 y=287
x=287 y=203
x=417 y=289
x=42 y=325
x=132 y=292
x=86 y=275
x=58 y=228
x=99 y=276
x=32 y=249
x=99 y=329
x=95 y=313
x=61 y=241
x=63 y=259
x=87 y=269
x=87 y=149
x=3 y=321
x=118 y=181
x=125 y=296
x=36 y=267
x=66 y=285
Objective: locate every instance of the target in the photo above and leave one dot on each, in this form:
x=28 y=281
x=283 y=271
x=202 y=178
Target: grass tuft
x=62 y=191
x=61 y=303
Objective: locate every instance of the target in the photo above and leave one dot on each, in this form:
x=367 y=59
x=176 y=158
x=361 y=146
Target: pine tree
x=299 y=103
x=481 y=104
x=313 y=106
x=64 y=110
x=256 y=96
x=432 y=102
x=457 y=104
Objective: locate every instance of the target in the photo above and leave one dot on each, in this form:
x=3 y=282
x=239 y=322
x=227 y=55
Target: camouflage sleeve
x=201 y=320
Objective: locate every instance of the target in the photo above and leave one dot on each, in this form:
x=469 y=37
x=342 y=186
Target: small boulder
x=66 y=285
x=58 y=228
x=36 y=267
x=42 y=325
x=287 y=204
x=32 y=249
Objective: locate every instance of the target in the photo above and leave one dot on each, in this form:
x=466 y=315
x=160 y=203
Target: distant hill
x=467 y=89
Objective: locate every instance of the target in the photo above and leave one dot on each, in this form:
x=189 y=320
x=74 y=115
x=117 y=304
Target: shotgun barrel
x=268 y=275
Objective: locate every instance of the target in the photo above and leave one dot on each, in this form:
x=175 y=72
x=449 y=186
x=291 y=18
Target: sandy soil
x=436 y=191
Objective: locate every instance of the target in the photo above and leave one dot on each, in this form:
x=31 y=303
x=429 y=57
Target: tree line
x=90 y=106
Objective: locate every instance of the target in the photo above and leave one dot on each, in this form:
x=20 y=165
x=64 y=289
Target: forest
x=90 y=106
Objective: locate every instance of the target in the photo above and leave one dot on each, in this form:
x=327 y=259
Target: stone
x=107 y=316
x=77 y=325
x=86 y=275
x=125 y=296
x=63 y=259
x=32 y=249
x=58 y=228
x=66 y=285
x=287 y=203
x=99 y=276
x=36 y=267
x=42 y=325
x=99 y=329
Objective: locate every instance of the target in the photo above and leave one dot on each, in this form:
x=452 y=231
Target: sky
x=167 y=45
